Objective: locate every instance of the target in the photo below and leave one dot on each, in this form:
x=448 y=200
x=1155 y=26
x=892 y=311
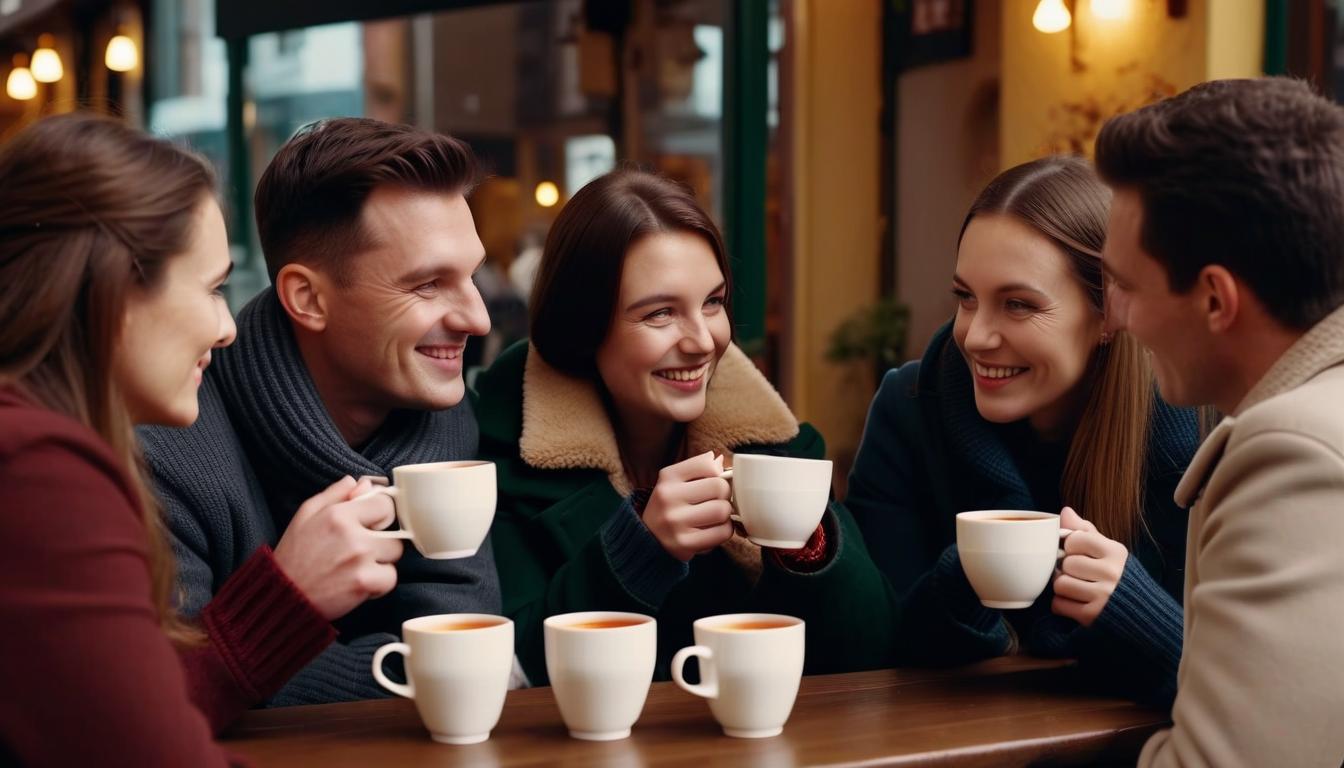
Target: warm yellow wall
x=1119 y=59
x=1236 y=39
x=946 y=150
x=835 y=182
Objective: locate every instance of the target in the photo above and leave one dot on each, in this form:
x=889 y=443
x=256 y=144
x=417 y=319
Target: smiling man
x=350 y=365
x=1223 y=252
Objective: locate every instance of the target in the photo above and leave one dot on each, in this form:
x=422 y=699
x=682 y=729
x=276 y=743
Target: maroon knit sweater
x=86 y=674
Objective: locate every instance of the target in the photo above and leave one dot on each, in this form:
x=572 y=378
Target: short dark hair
x=1248 y=174
x=310 y=198
x=579 y=280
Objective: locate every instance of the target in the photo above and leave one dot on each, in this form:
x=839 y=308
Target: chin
x=181 y=416
x=998 y=414
x=443 y=396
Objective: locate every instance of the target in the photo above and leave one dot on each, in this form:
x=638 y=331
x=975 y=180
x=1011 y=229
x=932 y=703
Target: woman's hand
x=688 y=511
x=1091 y=569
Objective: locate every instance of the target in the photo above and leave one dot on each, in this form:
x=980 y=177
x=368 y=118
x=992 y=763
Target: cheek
x=721 y=329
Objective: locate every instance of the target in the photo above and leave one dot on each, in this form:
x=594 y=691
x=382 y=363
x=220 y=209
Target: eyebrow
x=665 y=298
x=1007 y=288
x=425 y=274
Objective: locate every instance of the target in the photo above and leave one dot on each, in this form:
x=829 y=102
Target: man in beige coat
x=1225 y=257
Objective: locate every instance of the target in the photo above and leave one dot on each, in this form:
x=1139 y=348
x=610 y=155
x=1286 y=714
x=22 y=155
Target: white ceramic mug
x=779 y=499
x=444 y=508
x=457 y=671
x=750 y=668
x=600 y=664
x=1008 y=554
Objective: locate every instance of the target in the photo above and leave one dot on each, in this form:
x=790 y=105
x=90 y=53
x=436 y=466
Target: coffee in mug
x=444 y=508
x=750 y=667
x=779 y=499
x=600 y=664
x=457 y=672
x=1008 y=555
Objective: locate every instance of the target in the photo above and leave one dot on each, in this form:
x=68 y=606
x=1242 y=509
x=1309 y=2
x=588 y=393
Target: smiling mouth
x=997 y=372
x=440 y=353
x=683 y=374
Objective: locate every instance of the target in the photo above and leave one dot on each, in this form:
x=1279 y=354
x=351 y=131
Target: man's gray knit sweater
x=262 y=445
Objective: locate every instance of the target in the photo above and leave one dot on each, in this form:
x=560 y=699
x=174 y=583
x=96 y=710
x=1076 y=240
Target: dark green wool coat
x=567 y=537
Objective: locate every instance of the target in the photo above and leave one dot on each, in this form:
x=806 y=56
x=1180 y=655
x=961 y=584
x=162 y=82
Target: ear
x=1221 y=298
x=302 y=292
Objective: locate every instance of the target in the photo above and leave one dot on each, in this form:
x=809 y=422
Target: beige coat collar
x=1319 y=349
x=565 y=425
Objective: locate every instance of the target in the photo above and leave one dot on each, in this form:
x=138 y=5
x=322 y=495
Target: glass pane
x=549 y=93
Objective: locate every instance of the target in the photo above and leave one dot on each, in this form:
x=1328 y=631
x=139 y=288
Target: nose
x=695 y=336
x=467 y=313
x=981 y=334
x=228 y=331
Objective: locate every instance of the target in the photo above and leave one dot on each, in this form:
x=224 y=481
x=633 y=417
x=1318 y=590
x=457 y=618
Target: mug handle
x=709 y=675
x=391 y=492
x=398 y=688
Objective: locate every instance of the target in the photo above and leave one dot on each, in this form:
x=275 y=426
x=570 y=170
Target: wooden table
x=1005 y=712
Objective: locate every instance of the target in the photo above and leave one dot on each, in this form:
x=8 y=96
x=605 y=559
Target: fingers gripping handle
x=391 y=492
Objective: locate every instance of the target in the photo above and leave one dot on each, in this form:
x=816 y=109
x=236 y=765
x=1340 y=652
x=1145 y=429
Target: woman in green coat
x=610 y=429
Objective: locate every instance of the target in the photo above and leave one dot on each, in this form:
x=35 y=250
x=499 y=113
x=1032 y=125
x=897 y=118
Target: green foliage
x=876 y=332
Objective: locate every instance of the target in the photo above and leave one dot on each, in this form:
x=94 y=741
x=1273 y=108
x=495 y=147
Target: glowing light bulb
x=547 y=194
x=122 y=55
x=20 y=86
x=46 y=61
x=1051 y=16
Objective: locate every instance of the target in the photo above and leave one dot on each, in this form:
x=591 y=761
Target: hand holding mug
x=329 y=554
x=1089 y=572
x=689 y=511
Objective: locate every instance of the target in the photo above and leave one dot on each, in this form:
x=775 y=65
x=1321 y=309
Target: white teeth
x=996 y=373
x=439 y=353
x=683 y=374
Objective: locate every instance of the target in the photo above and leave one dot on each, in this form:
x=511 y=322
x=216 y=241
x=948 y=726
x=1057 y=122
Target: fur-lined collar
x=565 y=425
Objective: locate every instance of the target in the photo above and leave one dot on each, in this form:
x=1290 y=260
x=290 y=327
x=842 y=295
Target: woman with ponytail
x=1024 y=402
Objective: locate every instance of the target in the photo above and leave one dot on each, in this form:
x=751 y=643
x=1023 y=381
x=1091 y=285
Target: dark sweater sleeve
x=1134 y=646
x=89 y=676
x=942 y=621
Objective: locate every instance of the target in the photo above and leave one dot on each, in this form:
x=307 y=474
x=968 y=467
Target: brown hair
x=310 y=198
x=90 y=209
x=579 y=279
x=1248 y=174
x=1062 y=199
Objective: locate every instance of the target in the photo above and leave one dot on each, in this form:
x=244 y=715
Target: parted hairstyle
x=310 y=199
x=1247 y=174
x=89 y=210
x=579 y=280
x=1062 y=199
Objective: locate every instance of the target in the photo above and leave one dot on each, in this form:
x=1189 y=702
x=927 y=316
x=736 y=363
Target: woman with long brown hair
x=112 y=257
x=1023 y=401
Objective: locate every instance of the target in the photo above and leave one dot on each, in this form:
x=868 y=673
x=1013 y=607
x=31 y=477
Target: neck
x=646 y=444
x=1253 y=353
x=354 y=416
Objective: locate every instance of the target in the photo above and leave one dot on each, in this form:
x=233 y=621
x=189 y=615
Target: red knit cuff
x=264 y=626
x=811 y=558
